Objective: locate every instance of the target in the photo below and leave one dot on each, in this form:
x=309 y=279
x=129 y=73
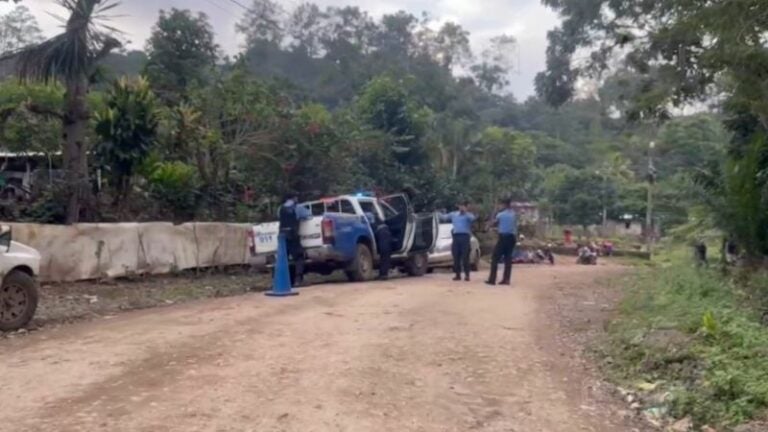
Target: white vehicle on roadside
x=19 y=266
x=441 y=256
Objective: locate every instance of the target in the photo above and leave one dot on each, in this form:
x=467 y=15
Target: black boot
x=507 y=275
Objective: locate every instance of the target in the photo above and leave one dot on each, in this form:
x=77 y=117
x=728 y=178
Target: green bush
x=697 y=333
x=175 y=185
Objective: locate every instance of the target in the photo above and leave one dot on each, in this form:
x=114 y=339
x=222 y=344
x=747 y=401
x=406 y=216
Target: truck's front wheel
x=18 y=300
x=417 y=265
x=361 y=268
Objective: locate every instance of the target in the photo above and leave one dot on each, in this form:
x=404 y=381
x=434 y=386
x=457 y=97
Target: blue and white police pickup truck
x=340 y=237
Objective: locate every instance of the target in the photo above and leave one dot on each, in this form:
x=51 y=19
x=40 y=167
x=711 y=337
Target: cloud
x=527 y=20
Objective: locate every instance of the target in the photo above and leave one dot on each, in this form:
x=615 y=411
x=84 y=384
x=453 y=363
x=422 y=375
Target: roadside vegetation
x=321 y=100
x=692 y=343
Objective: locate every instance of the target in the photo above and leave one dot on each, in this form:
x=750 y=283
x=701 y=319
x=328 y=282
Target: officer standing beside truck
x=290 y=215
x=462 y=220
x=383 y=237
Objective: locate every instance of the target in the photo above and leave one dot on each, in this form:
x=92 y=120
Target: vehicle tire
x=361 y=268
x=18 y=300
x=417 y=265
x=475 y=264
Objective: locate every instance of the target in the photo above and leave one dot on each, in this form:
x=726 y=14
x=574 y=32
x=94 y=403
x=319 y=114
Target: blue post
x=281 y=280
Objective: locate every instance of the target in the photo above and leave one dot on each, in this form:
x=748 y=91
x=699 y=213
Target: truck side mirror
x=6 y=235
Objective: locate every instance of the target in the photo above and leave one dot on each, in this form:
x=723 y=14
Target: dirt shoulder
x=75 y=301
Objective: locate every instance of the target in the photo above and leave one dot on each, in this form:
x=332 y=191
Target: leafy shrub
x=127 y=127
x=175 y=185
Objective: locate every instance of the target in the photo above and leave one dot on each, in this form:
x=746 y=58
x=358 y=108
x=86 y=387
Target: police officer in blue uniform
x=462 y=220
x=290 y=215
x=383 y=237
x=506 y=222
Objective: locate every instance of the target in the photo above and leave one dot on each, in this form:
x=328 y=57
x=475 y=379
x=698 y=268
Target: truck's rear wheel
x=361 y=268
x=18 y=300
x=417 y=265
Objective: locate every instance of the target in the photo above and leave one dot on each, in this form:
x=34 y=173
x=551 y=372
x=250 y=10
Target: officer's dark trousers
x=296 y=252
x=460 y=251
x=505 y=247
x=384 y=244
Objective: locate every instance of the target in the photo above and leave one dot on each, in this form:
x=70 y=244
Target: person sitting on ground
x=607 y=248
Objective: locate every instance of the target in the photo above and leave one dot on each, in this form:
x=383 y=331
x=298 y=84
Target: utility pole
x=605 y=205
x=649 y=231
x=602 y=175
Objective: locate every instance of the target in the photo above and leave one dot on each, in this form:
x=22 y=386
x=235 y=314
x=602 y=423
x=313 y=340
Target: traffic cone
x=281 y=280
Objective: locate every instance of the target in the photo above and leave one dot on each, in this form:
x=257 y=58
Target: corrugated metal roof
x=9 y=154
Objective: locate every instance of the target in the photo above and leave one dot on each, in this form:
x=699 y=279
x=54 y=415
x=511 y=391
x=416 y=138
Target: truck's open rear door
x=400 y=223
x=417 y=232
x=425 y=235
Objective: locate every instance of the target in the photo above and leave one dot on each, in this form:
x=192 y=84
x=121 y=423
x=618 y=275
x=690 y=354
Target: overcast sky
x=527 y=20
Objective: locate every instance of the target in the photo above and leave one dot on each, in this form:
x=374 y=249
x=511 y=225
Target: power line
x=219 y=7
x=239 y=4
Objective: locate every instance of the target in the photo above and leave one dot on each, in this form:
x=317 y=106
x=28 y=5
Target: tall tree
x=496 y=63
x=503 y=164
x=305 y=26
x=18 y=28
x=575 y=199
x=448 y=46
x=384 y=105
x=262 y=23
x=348 y=29
x=181 y=52
x=452 y=45
x=687 y=45
x=687 y=144
x=72 y=57
x=395 y=39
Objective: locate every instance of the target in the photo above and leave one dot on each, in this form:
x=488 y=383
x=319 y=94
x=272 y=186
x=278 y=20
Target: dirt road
x=424 y=354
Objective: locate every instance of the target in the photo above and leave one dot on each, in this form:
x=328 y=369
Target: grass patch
x=694 y=341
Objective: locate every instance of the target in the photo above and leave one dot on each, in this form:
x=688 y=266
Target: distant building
x=19 y=172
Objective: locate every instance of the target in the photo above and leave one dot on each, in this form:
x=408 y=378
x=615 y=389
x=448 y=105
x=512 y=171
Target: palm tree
x=71 y=57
